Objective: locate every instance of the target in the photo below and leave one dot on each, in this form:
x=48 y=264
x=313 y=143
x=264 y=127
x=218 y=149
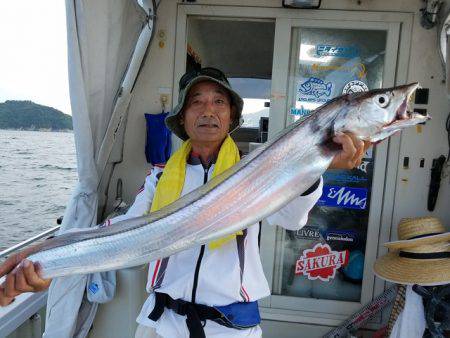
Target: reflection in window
x=256 y=95
x=254 y=109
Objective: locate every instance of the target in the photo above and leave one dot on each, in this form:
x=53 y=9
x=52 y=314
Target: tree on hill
x=32 y=116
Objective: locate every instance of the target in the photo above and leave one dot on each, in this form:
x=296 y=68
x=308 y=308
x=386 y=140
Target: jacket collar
x=194 y=159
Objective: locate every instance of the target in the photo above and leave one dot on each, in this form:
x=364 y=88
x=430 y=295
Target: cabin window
x=256 y=96
x=243 y=50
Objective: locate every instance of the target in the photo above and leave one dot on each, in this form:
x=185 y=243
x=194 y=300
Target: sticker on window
x=315 y=87
x=355 y=86
x=321 y=262
x=308 y=232
x=347 y=236
x=344 y=177
x=363 y=166
x=302 y=111
x=339 y=51
x=344 y=197
x=358 y=69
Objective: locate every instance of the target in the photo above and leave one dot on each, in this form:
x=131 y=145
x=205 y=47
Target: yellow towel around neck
x=171 y=183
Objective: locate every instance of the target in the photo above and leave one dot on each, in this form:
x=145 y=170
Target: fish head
x=377 y=114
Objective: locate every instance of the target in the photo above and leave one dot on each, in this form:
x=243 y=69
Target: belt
x=237 y=315
x=195 y=313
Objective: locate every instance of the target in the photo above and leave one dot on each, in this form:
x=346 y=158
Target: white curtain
x=102 y=36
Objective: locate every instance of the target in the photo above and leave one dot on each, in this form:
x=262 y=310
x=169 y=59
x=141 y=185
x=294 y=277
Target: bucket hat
x=420 y=256
x=190 y=79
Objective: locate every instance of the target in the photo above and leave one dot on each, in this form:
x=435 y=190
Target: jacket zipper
x=202 y=249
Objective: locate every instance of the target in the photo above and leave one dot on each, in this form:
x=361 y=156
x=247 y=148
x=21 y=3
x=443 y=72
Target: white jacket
x=232 y=273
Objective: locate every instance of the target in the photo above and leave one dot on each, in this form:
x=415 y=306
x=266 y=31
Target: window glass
x=256 y=95
x=325 y=259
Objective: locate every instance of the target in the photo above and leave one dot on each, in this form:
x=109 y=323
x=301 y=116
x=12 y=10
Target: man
x=209 y=290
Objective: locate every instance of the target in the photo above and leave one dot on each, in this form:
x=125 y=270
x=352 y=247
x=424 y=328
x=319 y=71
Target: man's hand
x=352 y=151
x=20 y=278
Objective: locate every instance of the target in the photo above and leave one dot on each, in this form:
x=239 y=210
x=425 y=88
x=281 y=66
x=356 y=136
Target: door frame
x=400 y=21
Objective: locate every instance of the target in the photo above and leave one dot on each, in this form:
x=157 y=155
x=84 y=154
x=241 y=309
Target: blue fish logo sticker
x=316 y=87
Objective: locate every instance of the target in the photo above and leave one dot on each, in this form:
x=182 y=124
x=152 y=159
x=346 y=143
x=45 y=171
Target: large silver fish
x=257 y=186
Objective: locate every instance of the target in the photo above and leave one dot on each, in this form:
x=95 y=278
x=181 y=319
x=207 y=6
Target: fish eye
x=382 y=100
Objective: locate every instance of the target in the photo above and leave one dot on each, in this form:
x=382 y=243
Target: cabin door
x=285 y=63
x=331 y=258
x=243 y=50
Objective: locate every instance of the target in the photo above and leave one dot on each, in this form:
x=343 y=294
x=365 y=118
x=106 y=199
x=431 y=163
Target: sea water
x=37 y=177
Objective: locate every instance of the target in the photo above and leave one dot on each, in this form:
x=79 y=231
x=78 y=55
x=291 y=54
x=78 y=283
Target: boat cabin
x=125 y=61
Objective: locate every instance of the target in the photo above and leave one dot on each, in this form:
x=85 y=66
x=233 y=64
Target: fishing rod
x=364 y=314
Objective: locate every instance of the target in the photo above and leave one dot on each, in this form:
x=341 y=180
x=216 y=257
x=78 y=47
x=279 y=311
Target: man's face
x=207 y=113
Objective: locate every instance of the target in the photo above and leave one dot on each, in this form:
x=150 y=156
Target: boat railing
x=22 y=316
x=28 y=241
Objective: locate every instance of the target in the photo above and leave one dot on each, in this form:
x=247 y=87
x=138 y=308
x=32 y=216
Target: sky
x=33 y=52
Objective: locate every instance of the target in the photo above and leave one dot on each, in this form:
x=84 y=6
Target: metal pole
x=28 y=242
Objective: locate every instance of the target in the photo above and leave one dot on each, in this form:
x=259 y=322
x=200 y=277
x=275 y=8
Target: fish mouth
x=408 y=119
x=405 y=116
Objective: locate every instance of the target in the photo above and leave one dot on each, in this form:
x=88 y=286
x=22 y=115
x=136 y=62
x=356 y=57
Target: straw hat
x=420 y=256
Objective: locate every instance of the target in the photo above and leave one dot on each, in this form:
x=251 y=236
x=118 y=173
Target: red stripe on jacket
x=246 y=294
x=155 y=272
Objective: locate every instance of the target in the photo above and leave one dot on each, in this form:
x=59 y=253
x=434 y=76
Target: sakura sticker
x=321 y=262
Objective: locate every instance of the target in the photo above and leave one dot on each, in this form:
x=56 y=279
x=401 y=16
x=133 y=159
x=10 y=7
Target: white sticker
x=363 y=166
x=355 y=86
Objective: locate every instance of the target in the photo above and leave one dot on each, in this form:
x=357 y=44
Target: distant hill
x=28 y=115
